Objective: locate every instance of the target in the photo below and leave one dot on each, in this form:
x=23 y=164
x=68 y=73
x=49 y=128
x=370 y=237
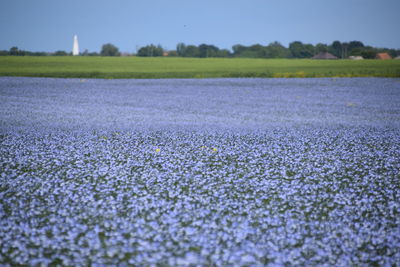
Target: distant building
x=165 y=54
x=356 y=57
x=398 y=57
x=75 y=48
x=383 y=56
x=324 y=55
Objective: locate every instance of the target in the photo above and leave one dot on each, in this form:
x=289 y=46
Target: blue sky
x=49 y=25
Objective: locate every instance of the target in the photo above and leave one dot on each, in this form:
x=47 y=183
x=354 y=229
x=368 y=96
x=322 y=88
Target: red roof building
x=383 y=56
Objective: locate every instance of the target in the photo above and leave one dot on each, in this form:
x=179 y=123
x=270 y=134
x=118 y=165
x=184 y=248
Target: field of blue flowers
x=213 y=172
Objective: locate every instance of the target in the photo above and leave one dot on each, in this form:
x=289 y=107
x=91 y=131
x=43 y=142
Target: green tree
x=223 y=53
x=253 y=51
x=392 y=52
x=109 y=50
x=93 y=54
x=336 y=49
x=321 y=48
x=208 y=50
x=296 y=48
x=151 y=51
x=181 y=49
x=369 y=52
x=192 y=51
x=355 y=44
x=60 y=53
x=276 y=50
x=273 y=50
x=355 y=48
x=309 y=50
x=300 y=50
x=345 y=50
x=257 y=50
x=14 y=51
x=356 y=51
x=26 y=53
x=238 y=49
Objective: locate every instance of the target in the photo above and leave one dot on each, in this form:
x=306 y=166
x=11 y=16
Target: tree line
x=295 y=49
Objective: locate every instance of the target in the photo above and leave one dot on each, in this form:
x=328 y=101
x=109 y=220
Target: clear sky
x=49 y=25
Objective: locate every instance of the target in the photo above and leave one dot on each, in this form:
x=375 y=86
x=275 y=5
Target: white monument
x=75 y=48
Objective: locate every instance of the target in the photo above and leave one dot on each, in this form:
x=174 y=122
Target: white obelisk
x=75 y=48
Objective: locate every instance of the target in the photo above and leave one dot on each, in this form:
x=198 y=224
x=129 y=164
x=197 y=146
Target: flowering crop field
x=213 y=172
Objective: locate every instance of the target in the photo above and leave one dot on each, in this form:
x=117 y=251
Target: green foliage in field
x=169 y=67
x=109 y=50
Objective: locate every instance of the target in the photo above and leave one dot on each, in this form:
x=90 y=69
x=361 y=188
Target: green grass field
x=168 y=67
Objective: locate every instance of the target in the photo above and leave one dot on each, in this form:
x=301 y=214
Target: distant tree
x=355 y=44
x=4 y=53
x=321 y=48
x=345 y=50
x=86 y=53
x=356 y=51
x=253 y=51
x=143 y=52
x=159 y=51
x=14 y=51
x=369 y=52
x=109 y=50
x=273 y=50
x=296 y=48
x=60 y=53
x=208 y=50
x=223 y=53
x=354 y=48
x=257 y=50
x=336 y=49
x=392 y=52
x=300 y=50
x=181 y=49
x=37 y=54
x=93 y=54
x=238 y=49
x=276 y=50
x=151 y=51
x=191 y=51
x=309 y=50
